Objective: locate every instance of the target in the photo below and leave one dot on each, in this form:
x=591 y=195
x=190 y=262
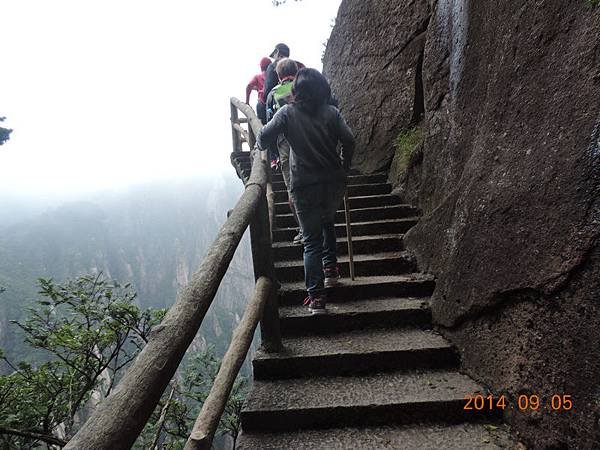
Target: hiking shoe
x=316 y=305
x=332 y=277
x=274 y=165
x=298 y=239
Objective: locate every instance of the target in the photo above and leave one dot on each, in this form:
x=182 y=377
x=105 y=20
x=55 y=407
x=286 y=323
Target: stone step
x=365 y=201
x=243 y=159
x=284 y=251
x=358 y=215
x=362 y=288
x=424 y=436
x=384 y=398
x=244 y=164
x=277 y=177
x=388 y=226
x=375 y=313
x=389 y=263
x=354 y=190
x=356 y=352
x=351 y=180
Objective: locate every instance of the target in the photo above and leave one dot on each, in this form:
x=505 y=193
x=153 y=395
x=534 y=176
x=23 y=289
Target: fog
x=105 y=95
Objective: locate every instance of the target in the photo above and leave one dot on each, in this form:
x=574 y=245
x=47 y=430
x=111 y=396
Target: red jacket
x=256 y=83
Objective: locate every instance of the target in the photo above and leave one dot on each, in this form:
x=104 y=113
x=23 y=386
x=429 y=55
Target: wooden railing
x=240 y=135
x=120 y=418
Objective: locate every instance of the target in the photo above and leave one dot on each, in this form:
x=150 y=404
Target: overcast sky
x=104 y=94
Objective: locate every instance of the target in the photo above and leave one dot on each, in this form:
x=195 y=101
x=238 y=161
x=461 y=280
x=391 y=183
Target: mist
x=106 y=95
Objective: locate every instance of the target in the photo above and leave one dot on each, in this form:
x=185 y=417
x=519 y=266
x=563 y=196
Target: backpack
x=280 y=95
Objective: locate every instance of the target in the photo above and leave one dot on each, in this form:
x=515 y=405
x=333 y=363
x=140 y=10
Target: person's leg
x=332 y=198
x=273 y=156
x=298 y=239
x=283 y=146
x=261 y=112
x=307 y=201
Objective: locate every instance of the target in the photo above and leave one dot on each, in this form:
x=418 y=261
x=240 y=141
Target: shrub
x=405 y=144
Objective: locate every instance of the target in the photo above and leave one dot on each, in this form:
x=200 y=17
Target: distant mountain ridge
x=154 y=236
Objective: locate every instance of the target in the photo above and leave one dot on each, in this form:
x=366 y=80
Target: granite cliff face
x=508 y=178
x=373 y=60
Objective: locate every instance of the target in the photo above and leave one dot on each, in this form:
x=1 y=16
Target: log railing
x=120 y=418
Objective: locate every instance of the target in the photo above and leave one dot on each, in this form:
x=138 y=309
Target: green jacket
x=279 y=96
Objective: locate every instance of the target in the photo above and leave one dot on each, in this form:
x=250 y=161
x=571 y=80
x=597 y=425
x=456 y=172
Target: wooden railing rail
x=120 y=418
x=254 y=126
x=214 y=405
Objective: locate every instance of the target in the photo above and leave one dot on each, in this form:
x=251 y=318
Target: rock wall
x=373 y=60
x=508 y=178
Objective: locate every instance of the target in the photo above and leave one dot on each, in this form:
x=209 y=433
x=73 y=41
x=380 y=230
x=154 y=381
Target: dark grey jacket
x=314 y=137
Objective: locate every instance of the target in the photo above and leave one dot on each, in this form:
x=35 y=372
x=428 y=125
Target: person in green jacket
x=280 y=96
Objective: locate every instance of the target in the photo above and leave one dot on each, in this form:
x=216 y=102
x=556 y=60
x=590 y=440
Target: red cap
x=264 y=63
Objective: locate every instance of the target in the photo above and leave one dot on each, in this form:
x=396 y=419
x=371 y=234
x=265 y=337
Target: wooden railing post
x=262 y=258
x=236 y=136
x=251 y=136
x=208 y=420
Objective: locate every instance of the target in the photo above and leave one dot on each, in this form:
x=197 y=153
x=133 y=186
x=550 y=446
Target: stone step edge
x=370 y=208
x=353 y=186
x=363 y=258
x=472 y=436
x=366 y=237
x=343 y=224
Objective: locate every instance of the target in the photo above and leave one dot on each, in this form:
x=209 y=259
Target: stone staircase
x=372 y=374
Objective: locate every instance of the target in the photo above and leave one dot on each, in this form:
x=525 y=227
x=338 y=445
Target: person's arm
x=271 y=80
x=278 y=125
x=250 y=87
x=346 y=137
x=270 y=106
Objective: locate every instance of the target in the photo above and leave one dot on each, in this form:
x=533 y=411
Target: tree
x=88 y=331
x=173 y=420
x=4 y=132
x=85 y=333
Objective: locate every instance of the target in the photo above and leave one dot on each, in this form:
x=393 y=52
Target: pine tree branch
x=33 y=435
x=161 y=420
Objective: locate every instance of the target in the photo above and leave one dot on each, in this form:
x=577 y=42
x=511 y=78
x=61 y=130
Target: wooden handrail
x=253 y=119
x=214 y=405
x=120 y=418
x=254 y=127
x=264 y=304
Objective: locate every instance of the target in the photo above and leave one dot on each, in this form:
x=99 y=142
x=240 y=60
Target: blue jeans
x=316 y=205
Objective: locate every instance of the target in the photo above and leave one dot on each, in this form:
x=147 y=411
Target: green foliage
x=593 y=2
x=405 y=144
x=4 y=132
x=181 y=406
x=89 y=330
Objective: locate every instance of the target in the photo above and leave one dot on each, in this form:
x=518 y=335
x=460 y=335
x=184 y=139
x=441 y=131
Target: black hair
x=311 y=89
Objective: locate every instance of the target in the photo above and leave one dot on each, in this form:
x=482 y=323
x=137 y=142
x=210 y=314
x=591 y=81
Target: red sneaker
x=316 y=305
